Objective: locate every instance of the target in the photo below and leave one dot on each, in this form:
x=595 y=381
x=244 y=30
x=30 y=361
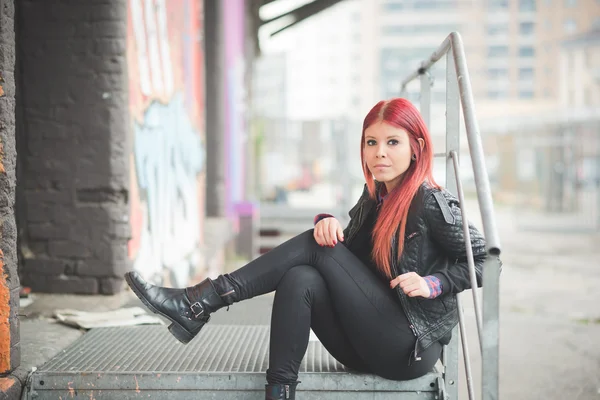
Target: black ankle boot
x=280 y=391
x=188 y=309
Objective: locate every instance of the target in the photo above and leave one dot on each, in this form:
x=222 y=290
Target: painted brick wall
x=72 y=129
x=166 y=102
x=9 y=280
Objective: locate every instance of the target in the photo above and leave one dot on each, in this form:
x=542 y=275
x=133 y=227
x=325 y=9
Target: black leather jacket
x=434 y=244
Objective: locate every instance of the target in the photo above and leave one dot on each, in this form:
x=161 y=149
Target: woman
x=379 y=295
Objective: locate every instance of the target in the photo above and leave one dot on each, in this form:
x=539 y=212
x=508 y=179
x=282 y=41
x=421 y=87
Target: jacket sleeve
x=319 y=217
x=445 y=226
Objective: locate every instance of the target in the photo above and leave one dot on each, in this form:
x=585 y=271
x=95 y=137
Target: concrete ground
x=549 y=311
x=42 y=337
x=549 y=315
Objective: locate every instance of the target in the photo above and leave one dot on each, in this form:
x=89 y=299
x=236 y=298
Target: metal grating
x=218 y=348
x=225 y=362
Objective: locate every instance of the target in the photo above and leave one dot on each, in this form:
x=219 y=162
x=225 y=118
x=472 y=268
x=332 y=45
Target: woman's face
x=387 y=153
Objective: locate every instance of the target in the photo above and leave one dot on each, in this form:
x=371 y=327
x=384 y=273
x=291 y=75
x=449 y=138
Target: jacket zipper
x=416 y=356
x=412 y=326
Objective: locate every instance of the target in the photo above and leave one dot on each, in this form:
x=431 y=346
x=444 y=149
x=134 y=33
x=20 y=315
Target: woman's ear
x=421 y=143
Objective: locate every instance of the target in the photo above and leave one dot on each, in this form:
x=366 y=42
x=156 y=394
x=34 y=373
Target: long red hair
x=399 y=113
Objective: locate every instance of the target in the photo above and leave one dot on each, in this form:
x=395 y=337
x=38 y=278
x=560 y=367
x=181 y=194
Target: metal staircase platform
x=223 y=362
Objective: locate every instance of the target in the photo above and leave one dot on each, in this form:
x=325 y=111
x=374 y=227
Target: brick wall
x=9 y=280
x=72 y=128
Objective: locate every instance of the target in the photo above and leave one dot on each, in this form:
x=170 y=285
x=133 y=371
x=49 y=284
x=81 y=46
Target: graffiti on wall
x=235 y=129
x=168 y=157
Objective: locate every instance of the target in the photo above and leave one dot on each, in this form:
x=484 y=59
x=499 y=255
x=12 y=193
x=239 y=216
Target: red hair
x=399 y=113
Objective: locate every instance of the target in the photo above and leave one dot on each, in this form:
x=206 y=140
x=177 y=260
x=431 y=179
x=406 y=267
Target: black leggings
x=355 y=315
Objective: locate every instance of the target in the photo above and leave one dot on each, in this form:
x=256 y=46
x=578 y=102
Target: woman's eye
x=393 y=142
x=370 y=143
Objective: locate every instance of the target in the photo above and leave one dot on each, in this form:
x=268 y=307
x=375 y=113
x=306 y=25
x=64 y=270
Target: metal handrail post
x=465 y=347
x=454 y=42
x=425 y=100
x=482 y=183
x=470 y=259
x=453 y=142
x=491 y=270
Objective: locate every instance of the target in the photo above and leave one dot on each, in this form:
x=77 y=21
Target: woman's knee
x=309 y=236
x=300 y=279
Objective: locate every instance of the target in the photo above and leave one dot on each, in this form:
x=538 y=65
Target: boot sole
x=180 y=333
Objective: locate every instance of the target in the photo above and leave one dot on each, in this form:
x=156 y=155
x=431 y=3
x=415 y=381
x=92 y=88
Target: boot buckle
x=197 y=309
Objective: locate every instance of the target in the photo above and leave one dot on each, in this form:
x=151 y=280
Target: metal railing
x=459 y=93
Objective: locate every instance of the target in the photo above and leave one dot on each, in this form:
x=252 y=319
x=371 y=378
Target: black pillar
x=73 y=125
x=215 y=108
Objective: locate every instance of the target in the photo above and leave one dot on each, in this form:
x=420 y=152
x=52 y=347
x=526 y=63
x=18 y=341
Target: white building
x=322 y=70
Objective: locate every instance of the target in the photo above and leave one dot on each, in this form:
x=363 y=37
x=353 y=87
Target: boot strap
x=281 y=391
x=198 y=311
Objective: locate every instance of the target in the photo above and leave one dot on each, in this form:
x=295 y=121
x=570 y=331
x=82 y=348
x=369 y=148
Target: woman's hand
x=412 y=284
x=328 y=231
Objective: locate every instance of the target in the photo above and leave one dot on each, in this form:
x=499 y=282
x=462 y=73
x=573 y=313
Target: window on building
x=498 y=51
x=547 y=92
x=497 y=73
x=432 y=5
x=548 y=2
x=526 y=94
x=526 y=51
x=393 y=6
x=570 y=3
x=526 y=74
x=596 y=23
x=392 y=30
x=397 y=61
x=497 y=94
x=526 y=28
x=498 y=4
x=570 y=26
x=548 y=24
x=527 y=5
x=497 y=29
